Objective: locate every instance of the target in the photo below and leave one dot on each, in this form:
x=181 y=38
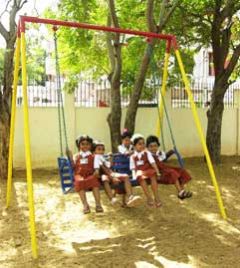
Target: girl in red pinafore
x=144 y=168
x=86 y=172
x=169 y=174
x=109 y=177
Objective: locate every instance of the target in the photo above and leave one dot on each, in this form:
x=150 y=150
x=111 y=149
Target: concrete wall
x=92 y=121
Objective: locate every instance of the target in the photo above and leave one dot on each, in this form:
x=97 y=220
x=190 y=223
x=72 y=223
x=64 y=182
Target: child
x=170 y=175
x=144 y=167
x=126 y=146
x=109 y=177
x=86 y=168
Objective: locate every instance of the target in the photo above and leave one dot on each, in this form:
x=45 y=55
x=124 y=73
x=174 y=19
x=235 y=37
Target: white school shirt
x=97 y=158
x=104 y=161
x=122 y=149
x=139 y=155
x=161 y=155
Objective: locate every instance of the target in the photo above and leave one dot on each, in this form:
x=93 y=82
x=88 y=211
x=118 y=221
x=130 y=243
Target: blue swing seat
x=66 y=174
x=121 y=164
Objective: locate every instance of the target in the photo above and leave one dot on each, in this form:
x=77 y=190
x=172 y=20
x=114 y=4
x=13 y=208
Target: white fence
x=96 y=93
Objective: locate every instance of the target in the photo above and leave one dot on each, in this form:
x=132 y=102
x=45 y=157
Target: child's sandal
x=158 y=204
x=133 y=201
x=184 y=194
x=150 y=203
x=86 y=210
x=99 y=209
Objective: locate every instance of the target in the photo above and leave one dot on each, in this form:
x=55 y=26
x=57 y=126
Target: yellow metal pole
x=12 y=125
x=201 y=135
x=162 y=94
x=28 y=149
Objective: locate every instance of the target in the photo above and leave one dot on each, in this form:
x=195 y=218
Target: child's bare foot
x=124 y=205
x=99 y=209
x=86 y=209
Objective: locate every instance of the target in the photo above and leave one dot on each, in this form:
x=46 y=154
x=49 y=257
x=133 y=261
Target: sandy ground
x=181 y=234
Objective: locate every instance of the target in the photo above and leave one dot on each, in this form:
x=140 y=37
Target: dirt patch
x=181 y=234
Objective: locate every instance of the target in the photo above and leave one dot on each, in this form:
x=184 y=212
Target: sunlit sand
x=181 y=234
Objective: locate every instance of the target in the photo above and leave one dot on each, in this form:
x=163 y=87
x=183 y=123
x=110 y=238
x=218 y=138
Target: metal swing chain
x=61 y=113
x=151 y=55
x=180 y=160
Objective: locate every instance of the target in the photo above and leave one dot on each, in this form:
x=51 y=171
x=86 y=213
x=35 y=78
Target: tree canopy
x=86 y=51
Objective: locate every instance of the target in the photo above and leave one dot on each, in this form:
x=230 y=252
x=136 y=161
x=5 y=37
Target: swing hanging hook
x=55 y=28
x=149 y=40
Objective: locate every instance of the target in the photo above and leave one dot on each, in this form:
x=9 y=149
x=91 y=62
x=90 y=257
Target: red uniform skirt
x=170 y=174
x=85 y=183
x=145 y=174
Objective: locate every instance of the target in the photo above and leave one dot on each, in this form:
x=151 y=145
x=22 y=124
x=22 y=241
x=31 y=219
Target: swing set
x=20 y=51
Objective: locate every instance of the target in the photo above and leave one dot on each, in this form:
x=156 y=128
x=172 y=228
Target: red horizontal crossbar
x=25 y=19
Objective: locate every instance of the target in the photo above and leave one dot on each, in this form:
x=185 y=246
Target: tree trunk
x=5 y=108
x=115 y=57
x=4 y=142
x=214 y=126
x=114 y=118
x=6 y=92
x=115 y=115
x=137 y=90
x=165 y=13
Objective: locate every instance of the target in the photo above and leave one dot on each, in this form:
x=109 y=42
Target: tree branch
x=15 y=8
x=233 y=62
x=109 y=44
x=218 y=4
x=199 y=18
x=116 y=61
x=5 y=10
x=22 y=4
x=113 y=13
x=4 y=32
x=228 y=10
x=150 y=17
x=164 y=20
x=225 y=44
x=216 y=39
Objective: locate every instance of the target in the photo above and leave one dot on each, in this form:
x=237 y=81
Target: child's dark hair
x=152 y=139
x=136 y=138
x=83 y=138
x=126 y=134
x=135 y=141
x=96 y=144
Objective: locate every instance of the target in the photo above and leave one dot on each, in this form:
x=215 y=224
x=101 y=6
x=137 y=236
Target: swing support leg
x=163 y=89
x=12 y=124
x=200 y=133
x=28 y=149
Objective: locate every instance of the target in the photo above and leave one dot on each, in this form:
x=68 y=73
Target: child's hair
x=126 y=134
x=136 y=138
x=96 y=144
x=83 y=138
x=152 y=139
